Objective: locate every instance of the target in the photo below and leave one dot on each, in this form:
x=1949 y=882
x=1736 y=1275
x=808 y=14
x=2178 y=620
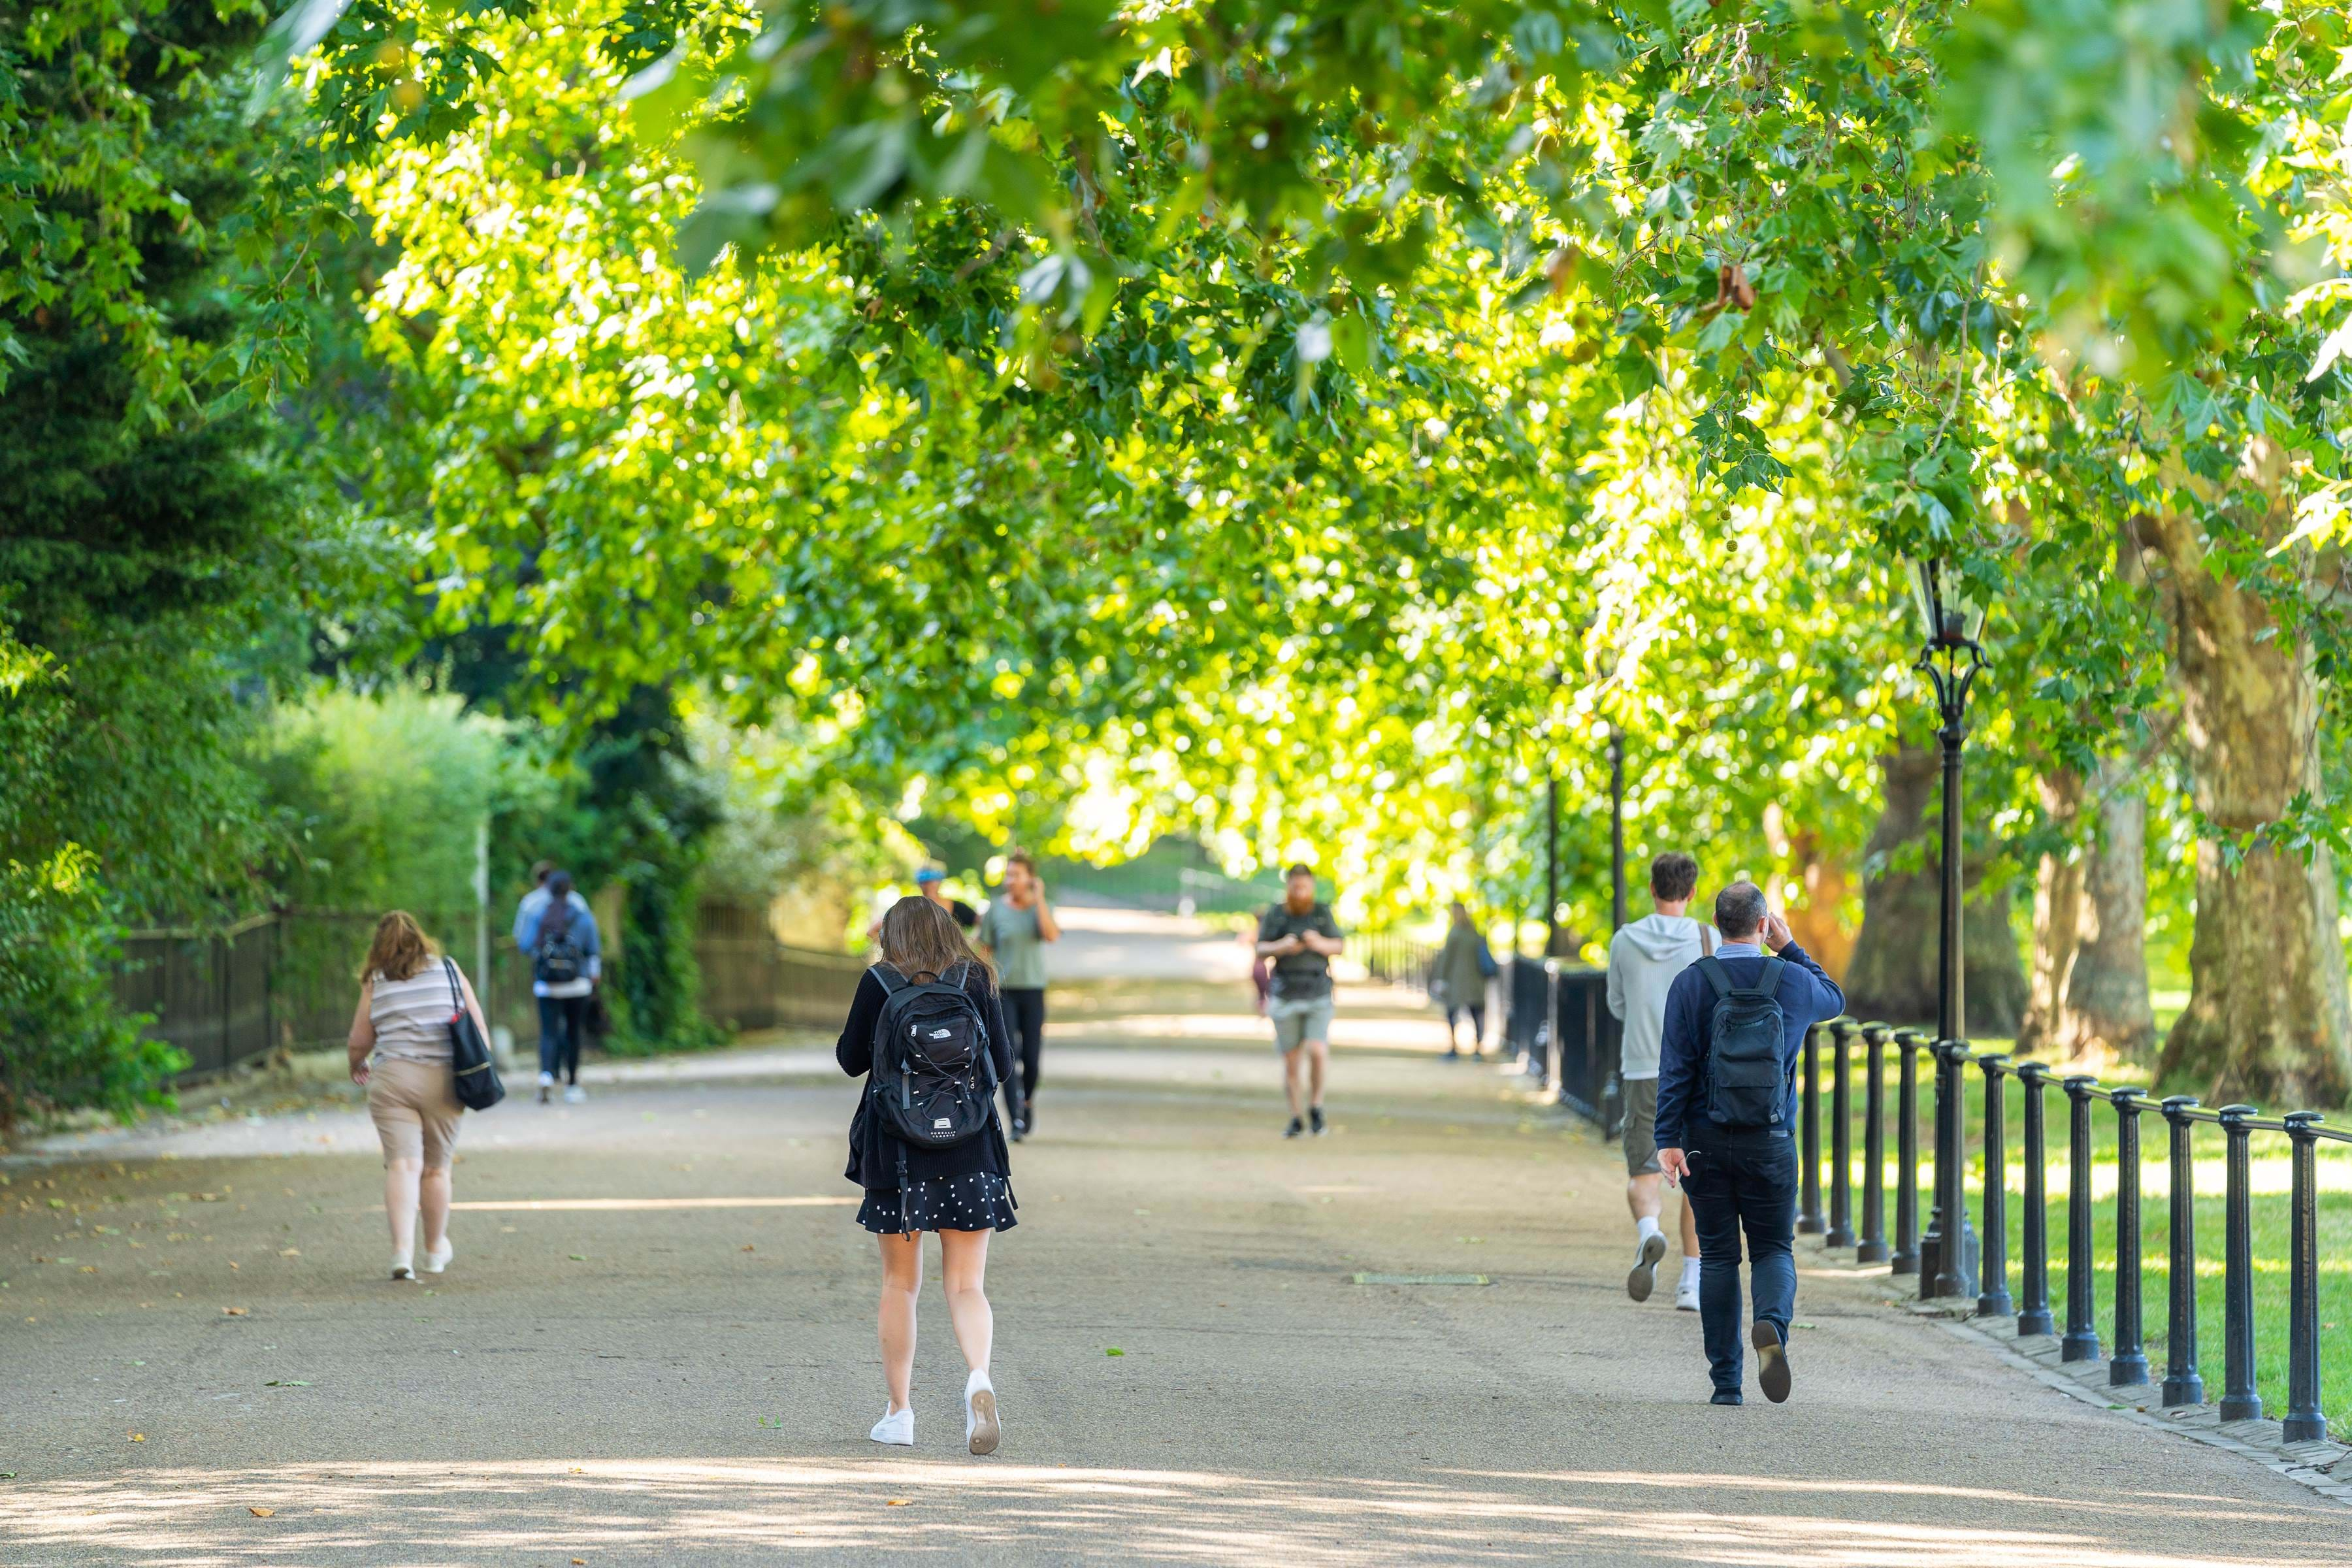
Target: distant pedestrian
x=927 y=1032
x=561 y=942
x=400 y=1050
x=932 y=883
x=533 y=903
x=1301 y=938
x=1727 y=1095
x=1643 y=959
x=1014 y=931
x=1459 y=978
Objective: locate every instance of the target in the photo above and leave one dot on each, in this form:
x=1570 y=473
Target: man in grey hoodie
x=1643 y=959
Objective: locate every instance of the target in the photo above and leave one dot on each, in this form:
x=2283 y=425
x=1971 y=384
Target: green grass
x=2269 y=1229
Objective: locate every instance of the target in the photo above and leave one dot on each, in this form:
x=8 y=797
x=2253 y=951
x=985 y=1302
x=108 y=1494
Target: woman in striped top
x=409 y=995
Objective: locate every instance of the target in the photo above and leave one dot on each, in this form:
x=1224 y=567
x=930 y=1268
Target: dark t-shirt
x=1299 y=977
x=965 y=915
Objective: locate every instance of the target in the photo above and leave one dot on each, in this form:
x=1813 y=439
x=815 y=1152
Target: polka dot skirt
x=980 y=1201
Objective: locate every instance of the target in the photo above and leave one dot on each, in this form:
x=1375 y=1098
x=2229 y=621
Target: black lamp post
x=1952 y=620
x=1616 y=829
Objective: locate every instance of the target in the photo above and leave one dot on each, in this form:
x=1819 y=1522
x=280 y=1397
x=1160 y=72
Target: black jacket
x=874 y=1149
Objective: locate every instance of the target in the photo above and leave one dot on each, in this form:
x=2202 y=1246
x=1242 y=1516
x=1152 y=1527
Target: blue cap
x=929 y=874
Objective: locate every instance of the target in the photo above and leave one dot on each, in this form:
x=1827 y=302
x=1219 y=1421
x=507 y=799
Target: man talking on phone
x=1726 y=1100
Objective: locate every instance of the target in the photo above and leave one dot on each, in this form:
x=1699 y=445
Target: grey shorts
x=1641 y=1126
x=1297 y=1021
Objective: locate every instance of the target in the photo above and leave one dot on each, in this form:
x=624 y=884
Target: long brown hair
x=923 y=942
x=400 y=949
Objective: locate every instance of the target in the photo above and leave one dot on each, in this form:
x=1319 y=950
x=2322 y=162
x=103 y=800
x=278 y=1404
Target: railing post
x=1993 y=1300
x=1907 y=1153
x=2239 y=1402
x=2129 y=1363
x=1840 y=1231
x=1809 y=1117
x=2033 y=1312
x=1872 y=1247
x=2082 y=1340
x=2304 y=1422
x=2182 y=1384
x=1954 y=1274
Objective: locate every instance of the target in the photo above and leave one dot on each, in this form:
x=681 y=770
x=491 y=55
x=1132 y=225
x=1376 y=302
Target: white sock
x=977 y=1382
x=1690 y=1270
x=1646 y=1227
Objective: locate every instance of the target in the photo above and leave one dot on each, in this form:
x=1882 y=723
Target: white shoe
x=575 y=1095
x=896 y=1428
x=980 y=1428
x=435 y=1262
x=546 y=1086
x=401 y=1268
x=1686 y=1296
x=1643 y=1276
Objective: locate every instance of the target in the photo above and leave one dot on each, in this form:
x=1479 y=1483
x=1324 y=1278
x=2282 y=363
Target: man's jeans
x=563 y=1020
x=1742 y=1179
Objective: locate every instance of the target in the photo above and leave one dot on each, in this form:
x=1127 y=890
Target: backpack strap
x=1768 y=979
x=889 y=977
x=1716 y=975
x=957 y=974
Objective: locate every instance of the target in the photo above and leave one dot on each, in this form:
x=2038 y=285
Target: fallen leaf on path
x=232 y=1265
x=284 y=1383
x=1114 y=1350
x=897 y=1503
x=291 y=1252
x=262 y=1512
x=749 y=1249
x=139 y=1436
x=233 y=1311
x=579 y=1256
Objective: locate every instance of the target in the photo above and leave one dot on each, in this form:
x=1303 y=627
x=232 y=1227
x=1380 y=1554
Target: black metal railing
x=1391 y=958
x=1557 y=1020
x=1941 y=1257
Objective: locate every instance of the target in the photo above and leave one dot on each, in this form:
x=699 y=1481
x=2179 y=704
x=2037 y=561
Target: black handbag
x=472 y=1073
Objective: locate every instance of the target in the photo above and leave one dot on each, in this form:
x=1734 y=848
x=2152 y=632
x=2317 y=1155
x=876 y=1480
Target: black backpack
x=559 y=957
x=1746 y=1086
x=934 y=1082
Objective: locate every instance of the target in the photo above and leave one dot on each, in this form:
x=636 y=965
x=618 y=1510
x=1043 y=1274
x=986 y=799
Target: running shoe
x=1643 y=1277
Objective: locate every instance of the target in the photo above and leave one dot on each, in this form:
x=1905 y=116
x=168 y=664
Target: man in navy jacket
x=1743 y=1178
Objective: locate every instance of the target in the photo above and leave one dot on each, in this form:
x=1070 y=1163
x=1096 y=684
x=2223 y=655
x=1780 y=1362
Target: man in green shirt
x=1014 y=930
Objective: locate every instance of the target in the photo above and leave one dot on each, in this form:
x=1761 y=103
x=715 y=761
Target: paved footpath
x=655 y=1346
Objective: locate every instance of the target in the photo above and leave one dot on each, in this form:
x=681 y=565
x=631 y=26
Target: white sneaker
x=401 y=1268
x=1644 y=1275
x=896 y=1428
x=546 y=1086
x=980 y=1428
x=435 y=1262
x=1686 y=1296
x=575 y=1095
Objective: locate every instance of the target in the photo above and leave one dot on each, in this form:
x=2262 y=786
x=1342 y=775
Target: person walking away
x=927 y=1032
x=1643 y=959
x=1301 y=938
x=1459 y=978
x=532 y=905
x=566 y=964
x=1727 y=1098
x=400 y=1050
x=1013 y=933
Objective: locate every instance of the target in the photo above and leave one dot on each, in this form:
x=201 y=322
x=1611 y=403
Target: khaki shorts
x=1641 y=1126
x=416 y=1111
x=1299 y=1020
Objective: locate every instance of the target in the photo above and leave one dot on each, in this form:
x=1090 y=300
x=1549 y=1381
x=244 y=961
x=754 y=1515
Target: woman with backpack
x=566 y=962
x=926 y=1031
x=400 y=1052
x=1458 y=981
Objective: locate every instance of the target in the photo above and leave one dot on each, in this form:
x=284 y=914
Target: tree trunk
x=2268 y=1019
x=1893 y=972
x=2089 y=990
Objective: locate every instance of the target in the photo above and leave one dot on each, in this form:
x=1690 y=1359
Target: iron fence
x=1393 y=958
x=1955 y=1263
x=1557 y=1020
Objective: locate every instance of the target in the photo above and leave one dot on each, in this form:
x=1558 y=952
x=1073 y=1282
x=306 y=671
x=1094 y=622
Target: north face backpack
x=1744 y=1084
x=559 y=958
x=934 y=1082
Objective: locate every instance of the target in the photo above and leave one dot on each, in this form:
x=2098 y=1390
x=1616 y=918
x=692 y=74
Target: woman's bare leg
x=400 y=1198
x=902 y=1277
x=964 y=1270
x=432 y=1199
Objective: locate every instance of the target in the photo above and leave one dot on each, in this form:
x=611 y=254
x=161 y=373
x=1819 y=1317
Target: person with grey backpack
x=1735 y=1025
x=926 y=1030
